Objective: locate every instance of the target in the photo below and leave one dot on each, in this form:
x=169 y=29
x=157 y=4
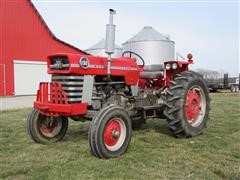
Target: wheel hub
x=115 y=134
x=112 y=133
x=192 y=105
x=49 y=126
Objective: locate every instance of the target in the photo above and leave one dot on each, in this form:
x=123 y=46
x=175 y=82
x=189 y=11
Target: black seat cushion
x=150 y=75
x=153 y=67
x=152 y=71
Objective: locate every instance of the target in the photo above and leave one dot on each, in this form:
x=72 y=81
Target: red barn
x=25 y=43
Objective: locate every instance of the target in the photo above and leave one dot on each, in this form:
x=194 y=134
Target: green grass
x=152 y=154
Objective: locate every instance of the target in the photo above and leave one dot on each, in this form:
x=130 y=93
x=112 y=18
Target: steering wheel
x=130 y=53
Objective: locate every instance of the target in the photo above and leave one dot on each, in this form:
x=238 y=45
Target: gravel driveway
x=16 y=102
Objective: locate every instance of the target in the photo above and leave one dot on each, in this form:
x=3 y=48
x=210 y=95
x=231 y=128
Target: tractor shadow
x=79 y=131
x=156 y=124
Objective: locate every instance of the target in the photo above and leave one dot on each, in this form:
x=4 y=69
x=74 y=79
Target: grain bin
x=99 y=49
x=151 y=45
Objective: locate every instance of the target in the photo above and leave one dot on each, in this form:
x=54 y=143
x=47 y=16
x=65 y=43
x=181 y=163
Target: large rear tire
x=188 y=105
x=110 y=132
x=43 y=129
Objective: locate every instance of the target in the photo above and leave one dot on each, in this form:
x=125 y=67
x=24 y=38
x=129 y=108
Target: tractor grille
x=72 y=85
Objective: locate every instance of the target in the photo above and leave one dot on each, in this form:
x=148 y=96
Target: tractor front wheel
x=43 y=129
x=187 y=104
x=110 y=132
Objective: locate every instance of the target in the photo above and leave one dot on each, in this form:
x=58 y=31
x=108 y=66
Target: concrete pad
x=16 y=102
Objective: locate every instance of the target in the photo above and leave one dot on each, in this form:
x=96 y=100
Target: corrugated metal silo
x=151 y=45
x=99 y=49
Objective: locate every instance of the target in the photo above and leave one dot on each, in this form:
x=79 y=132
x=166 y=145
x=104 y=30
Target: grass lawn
x=152 y=154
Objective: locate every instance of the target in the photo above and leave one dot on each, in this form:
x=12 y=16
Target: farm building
x=26 y=41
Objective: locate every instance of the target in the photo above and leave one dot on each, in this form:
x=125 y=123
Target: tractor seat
x=153 y=67
x=152 y=71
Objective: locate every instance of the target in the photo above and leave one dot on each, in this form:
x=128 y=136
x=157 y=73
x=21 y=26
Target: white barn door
x=27 y=75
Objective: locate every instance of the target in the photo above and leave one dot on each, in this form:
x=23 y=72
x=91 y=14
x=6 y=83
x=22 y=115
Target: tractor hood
x=93 y=65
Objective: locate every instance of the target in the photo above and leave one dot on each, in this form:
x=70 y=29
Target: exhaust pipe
x=110 y=40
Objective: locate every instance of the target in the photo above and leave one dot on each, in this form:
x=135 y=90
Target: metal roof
x=101 y=45
x=148 y=33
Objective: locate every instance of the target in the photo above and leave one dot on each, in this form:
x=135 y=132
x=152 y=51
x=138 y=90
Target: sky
x=207 y=29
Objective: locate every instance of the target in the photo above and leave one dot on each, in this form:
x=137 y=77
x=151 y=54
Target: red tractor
x=116 y=95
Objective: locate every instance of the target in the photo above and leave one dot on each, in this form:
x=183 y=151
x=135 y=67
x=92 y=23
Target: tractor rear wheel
x=43 y=129
x=188 y=105
x=110 y=132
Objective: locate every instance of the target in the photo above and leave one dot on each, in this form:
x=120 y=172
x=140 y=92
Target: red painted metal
x=192 y=108
x=52 y=101
x=152 y=84
x=125 y=67
x=169 y=74
x=120 y=67
x=25 y=36
x=112 y=132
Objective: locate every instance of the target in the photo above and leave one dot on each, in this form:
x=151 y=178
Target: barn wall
x=24 y=36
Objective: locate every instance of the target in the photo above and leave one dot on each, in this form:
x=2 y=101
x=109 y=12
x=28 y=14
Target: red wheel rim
x=192 y=105
x=50 y=126
x=112 y=132
x=195 y=106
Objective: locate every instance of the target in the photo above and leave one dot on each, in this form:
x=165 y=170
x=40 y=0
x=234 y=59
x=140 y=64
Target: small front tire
x=110 y=132
x=43 y=129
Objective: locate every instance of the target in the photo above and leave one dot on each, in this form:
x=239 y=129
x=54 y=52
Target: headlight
x=59 y=63
x=168 y=66
x=174 y=66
